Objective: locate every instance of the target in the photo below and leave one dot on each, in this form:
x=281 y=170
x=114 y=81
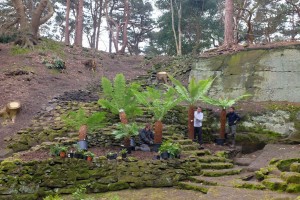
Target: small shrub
x=172 y=148
x=7 y=38
x=55 y=197
x=55 y=63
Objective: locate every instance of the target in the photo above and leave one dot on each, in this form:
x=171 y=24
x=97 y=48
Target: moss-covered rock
x=295 y=167
x=249 y=185
x=118 y=186
x=285 y=165
x=293 y=188
x=291 y=177
x=275 y=184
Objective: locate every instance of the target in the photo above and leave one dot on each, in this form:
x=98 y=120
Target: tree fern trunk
x=82 y=132
x=191 y=122
x=126 y=142
x=123 y=117
x=223 y=123
x=158 y=127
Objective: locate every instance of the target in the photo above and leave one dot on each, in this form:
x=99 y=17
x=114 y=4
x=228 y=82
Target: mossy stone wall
x=25 y=180
x=267 y=74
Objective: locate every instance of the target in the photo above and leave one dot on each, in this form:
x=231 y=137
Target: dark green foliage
x=126 y=130
x=55 y=63
x=172 y=148
x=7 y=38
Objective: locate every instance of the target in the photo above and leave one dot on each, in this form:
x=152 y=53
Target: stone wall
x=269 y=75
x=30 y=180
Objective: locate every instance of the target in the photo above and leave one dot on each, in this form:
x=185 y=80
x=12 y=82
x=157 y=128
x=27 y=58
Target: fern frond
x=106 y=87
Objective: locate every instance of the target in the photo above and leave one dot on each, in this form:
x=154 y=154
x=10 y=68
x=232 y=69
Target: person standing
x=198 y=118
x=232 y=119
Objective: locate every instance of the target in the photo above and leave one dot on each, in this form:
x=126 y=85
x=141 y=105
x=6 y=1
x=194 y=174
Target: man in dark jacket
x=146 y=138
x=232 y=119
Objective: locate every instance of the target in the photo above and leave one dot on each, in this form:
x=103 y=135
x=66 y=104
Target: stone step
x=210 y=159
x=187 y=185
x=197 y=152
x=229 y=180
x=191 y=147
x=221 y=172
x=254 y=185
x=216 y=165
x=275 y=184
x=184 y=142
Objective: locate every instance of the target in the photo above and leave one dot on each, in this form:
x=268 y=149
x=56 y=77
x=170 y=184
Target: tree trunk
x=223 y=123
x=82 y=134
x=126 y=16
x=179 y=29
x=99 y=23
x=29 y=29
x=67 y=31
x=228 y=24
x=158 y=127
x=126 y=142
x=191 y=122
x=173 y=26
x=79 y=25
x=123 y=117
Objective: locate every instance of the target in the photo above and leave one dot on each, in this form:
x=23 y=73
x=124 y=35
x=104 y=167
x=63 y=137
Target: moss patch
x=275 y=184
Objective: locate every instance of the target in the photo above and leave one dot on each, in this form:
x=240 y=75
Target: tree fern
x=195 y=90
x=223 y=102
x=158 y=102
x=76 y=119
x=126 y=130
x=119 y=96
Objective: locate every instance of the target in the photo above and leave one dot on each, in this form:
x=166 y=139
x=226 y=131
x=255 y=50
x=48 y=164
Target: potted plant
x=169 y=149
x=78 y=151
x=111 y=155
x=125 y=132
x=63 y=151
x=123 y=153
x=54 y=150
x=89 y=155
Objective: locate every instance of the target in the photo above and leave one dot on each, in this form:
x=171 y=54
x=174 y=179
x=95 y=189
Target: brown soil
x=26 y=79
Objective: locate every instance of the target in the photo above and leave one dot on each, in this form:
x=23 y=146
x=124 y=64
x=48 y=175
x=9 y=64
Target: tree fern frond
x=106 y=87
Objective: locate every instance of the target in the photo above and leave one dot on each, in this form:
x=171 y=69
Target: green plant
x=159 y=103
x=51 y=197
x=172 y=148
x=63 y=149
x=123 y=151
x=118 y=96
x=88 y=153
x=55 y=150
x=80 y=193
x=111 y=153
x=191 y=94
x=77 y=148
x=125 y=131
x=55 y=63
x=78 y=118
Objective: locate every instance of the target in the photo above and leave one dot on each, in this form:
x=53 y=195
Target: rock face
x=271 y=74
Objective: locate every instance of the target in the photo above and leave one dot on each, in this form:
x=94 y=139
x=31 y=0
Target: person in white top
x=198 y=118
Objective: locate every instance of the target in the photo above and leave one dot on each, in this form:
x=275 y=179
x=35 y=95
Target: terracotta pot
x=62 y=154
x=191 y=122
x=158 y=127
x=89 y=158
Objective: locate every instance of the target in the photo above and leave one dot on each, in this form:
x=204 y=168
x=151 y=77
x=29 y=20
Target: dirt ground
x=38 y=84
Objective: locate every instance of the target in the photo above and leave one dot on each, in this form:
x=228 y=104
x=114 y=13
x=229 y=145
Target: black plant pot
x=78 y=155
x=220 y=141
x=155 y=147
x=164 y=155
x=129 y=150
x=112 y=157
x=70 y=155
x=124 y=155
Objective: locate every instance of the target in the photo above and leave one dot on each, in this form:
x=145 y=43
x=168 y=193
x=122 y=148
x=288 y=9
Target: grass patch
x=52 y=46
x=17 y=50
